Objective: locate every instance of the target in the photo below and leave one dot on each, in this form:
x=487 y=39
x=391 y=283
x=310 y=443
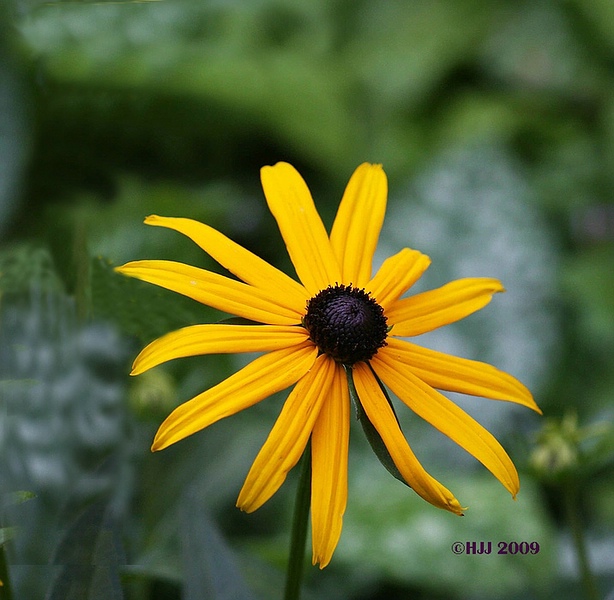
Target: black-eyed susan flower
x=336 y=333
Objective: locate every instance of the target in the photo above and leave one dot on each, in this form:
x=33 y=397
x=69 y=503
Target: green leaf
x=19 y=497
x=139 y=308
x=371 y=433
x=211 y=565
x=25 y=265
x=6 y=534
x=12 y=499
x=89 y=559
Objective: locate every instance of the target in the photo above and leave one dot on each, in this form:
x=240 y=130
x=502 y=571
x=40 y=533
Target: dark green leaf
x=89 y=555
x=373 y=436
x=211 y=566
x=139 y=308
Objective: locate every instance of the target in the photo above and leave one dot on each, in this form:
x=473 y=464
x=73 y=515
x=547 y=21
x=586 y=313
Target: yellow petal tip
x=136 y=367
x=370 y=166
x=323 y=562
x=159 y=444
x=496 y=286
x=245 y=507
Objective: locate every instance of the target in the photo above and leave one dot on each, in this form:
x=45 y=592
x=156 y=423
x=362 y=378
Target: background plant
x=495 y=123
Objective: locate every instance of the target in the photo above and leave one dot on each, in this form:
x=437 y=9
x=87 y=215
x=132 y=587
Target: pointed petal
x=448 y=418
x=262 y=377
x=454 y=374
x=358 y=223
x=450 y=303
x=329 y=479
x=239 y=261
x=289 y=436
x=213 y=290
x=380 y=414
x=291 y=204
x=396 y=275
x=217 y=339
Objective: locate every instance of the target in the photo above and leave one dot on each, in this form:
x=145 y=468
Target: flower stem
x=296 y=560
x=575 y=523
x=5 y=588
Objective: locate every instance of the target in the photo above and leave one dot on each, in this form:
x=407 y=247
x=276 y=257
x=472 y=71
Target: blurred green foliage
x=495 y=123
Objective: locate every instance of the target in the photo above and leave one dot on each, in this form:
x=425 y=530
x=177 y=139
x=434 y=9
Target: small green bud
x=152 y=393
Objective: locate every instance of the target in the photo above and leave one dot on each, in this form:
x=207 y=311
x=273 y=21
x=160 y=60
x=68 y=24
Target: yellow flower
x=339 y=317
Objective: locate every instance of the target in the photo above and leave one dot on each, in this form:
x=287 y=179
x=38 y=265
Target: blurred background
x=494 y=121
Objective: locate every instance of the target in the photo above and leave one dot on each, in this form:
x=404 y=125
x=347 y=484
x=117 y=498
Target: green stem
x=5 y=589
x=577 y=531
x=296 y=560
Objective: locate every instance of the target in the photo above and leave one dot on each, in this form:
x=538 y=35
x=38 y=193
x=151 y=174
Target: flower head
x=338 y=333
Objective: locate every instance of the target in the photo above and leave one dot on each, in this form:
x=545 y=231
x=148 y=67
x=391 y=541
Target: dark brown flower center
x=346 y=323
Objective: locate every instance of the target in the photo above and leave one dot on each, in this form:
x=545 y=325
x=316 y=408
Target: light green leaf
x=19 y=497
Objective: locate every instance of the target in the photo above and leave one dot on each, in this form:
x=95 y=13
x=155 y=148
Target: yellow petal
x=239 y=261
x=262 y=377
x=396 y=275
x=380 y=414
x=358 y=223
x=329 y=451
x=213 y=290
x=454 y=374
x=217 y=339
x=450 y=303
x=448 y=418
x=289 y=436
x=308 y=245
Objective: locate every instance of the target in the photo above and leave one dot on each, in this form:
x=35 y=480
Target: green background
x=494 y=121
